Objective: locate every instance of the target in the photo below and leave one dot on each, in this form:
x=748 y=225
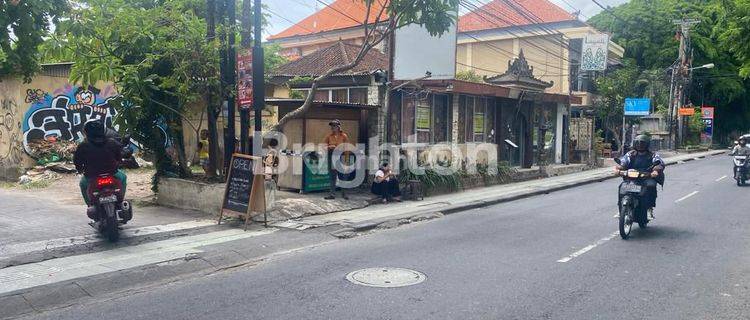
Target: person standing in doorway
x=203 y=151
x=333 y=140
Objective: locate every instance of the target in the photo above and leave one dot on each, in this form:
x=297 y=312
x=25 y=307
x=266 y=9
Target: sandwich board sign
x=244 y=192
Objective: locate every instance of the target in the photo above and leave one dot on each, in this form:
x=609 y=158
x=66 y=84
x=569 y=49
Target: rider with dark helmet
x=741 y=149
x=641 y=158
x=98 y=154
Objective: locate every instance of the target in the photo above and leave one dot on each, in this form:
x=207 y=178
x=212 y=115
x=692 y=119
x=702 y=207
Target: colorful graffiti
x=63 y=113
x=10 y=126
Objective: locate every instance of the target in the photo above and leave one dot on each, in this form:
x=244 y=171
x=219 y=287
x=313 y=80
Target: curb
x=375 y=223
x=111 y=285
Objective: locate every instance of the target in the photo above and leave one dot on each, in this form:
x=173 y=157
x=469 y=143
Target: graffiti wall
x=63 y=112
x=11 y=151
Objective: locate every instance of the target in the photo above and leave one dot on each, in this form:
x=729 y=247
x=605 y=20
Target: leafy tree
x=613 y=89
x=436 y=16
x=645 y=29
x=469 y=75
x=24 y=24
x=157 y=55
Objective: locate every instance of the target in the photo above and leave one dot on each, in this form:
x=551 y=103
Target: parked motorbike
x=740 y=169
x=631 y=191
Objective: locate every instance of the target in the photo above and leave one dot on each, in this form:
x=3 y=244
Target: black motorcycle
x=631 y=191
x=741 y=169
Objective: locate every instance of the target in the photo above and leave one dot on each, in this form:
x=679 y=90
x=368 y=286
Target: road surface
x=554 y=256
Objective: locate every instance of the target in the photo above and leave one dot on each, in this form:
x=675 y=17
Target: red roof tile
x=340 y=14
x=493 y=15
x=338 y=54
x=506 y=13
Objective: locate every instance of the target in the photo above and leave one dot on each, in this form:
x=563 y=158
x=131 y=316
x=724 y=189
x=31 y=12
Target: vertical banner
x=423 y=118
x=594 y=52
x=245 y=78
x=707 y=116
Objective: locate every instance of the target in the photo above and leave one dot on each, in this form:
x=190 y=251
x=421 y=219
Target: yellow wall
x=544 y=54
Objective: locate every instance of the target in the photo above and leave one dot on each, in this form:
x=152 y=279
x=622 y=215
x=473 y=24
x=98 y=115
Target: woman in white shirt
x=385 y=184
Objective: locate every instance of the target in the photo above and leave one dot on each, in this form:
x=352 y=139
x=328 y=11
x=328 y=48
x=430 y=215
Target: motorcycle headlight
x=633 y=174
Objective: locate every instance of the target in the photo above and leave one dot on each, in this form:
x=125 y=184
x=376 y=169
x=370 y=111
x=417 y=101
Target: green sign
x=478 y=123
x=423 y=118
x=315 y=173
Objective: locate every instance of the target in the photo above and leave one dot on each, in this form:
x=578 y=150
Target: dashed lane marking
x=687 y=196
x=722 y=178
x=588 y=248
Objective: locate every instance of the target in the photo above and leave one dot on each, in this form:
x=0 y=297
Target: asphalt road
x=45 y=216
x=500 y=262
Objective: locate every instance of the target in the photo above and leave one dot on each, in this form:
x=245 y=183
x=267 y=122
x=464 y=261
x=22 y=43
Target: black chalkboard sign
x=239 y=186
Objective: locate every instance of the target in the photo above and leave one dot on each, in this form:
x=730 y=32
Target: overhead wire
x=483 y=13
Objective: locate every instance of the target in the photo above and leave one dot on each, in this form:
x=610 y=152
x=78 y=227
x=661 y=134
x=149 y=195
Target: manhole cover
x=386 y=277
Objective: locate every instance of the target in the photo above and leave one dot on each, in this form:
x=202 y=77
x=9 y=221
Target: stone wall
x=185 y=194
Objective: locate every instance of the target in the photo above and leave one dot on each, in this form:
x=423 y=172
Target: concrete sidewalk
x=396 y=213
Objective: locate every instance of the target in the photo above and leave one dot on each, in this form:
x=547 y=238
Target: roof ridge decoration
x=519 y=74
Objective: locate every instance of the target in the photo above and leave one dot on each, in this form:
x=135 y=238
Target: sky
x=294 y=10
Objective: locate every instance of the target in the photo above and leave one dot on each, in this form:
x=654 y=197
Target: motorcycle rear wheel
x=110 y=219
x=625 y=222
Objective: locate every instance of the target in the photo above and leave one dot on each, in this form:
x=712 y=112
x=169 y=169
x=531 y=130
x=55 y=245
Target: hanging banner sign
x=478 y=123
x=423 y=118
x=637 y=106
x=594 y=52
x=707 y=112
x=245 y=78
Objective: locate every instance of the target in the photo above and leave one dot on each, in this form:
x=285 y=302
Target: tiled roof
x=338 y=54
x=506 y=13
x=340 y=14
x=493 y=15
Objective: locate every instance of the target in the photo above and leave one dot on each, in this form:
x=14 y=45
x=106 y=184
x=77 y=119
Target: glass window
x=322 y=95
x=469 y=126
x=358 y=95
x=340 y=95
x=461 y=118
x=441 y=118
x=479 y=119
x=407 y=119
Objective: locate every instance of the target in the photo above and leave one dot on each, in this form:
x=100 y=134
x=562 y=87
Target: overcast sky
x=294 y=10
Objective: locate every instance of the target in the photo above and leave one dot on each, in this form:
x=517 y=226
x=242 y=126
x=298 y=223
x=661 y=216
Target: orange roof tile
x=340 y=14
x=493 y=15
x=506 y=13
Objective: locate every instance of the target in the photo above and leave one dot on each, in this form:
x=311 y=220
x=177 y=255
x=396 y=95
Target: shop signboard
x=423 y=118
x=594 y=52
x=637 y=106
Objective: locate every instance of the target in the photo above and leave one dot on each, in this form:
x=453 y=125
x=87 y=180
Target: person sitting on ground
x=385 y=185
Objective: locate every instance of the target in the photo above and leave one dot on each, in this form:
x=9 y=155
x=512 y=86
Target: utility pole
x=259 y=90
x=683 y=73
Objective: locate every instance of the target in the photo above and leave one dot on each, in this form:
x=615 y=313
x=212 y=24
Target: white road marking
x=687 y=196
x=588 y=248
x=722 y=178
x=26 y=247
x=90 y=264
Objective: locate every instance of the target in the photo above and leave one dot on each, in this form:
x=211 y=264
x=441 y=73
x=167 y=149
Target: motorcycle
x=107 y=204
x=107 y=200
x=740 y=169
x=631 y=191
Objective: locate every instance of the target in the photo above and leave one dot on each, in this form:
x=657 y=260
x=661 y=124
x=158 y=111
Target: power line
x=339 y=11
x=478 y=9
